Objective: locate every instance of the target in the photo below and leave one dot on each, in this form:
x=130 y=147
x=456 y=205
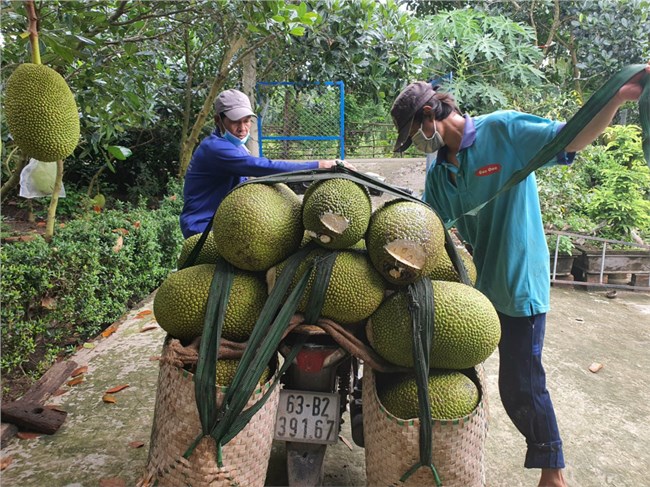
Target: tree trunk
x=54 y=201
x=193 y=138
x=249 y=78
x=14 y=179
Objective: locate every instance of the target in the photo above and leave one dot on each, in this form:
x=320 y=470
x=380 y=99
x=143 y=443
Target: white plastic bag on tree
x=37 y=180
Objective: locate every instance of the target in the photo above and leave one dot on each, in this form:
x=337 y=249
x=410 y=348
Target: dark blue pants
x=522 y=385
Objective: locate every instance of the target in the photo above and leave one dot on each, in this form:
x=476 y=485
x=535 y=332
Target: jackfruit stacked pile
x=258 y=226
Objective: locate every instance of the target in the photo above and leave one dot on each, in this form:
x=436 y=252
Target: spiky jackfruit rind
x=355 y=289
x=406 y=224
x=452 y=395
x=466 y=328
x=339 y=199
x=207 y=255
x=42 y=114
x=180 y=303
x=444 y=269
x=258 y=225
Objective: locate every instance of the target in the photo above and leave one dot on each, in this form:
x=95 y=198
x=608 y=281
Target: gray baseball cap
x=406 y=105
x=234 y=104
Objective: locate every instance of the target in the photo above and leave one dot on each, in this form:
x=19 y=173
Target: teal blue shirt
x=507 y=235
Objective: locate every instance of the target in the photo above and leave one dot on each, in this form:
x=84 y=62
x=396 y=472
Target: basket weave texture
x=392 y=444
x=176 y=425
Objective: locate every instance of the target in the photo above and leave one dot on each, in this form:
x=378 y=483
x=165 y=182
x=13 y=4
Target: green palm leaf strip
x=576 y=124
x=322 y=273
x=421 y=300
x=225 y=422
x=205 y=388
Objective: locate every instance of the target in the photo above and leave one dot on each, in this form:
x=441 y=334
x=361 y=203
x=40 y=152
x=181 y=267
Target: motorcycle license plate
x=307 y=417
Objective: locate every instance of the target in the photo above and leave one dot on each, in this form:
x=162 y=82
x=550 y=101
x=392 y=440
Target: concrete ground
x=603 y=416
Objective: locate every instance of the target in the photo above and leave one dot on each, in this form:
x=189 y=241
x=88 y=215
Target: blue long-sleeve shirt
x=217 y=166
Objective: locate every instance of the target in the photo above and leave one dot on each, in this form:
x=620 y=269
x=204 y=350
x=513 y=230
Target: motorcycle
x=319 y=385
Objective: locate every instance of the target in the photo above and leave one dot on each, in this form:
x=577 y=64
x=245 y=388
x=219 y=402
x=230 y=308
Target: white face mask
x=426 y=144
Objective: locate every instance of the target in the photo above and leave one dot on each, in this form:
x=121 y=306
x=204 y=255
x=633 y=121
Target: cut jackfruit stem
x=334 y=222
x=407 y=252
x=324 y=238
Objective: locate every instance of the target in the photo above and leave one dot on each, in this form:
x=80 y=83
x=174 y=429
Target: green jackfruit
x=444 y=269
x=405 y=240
x=336 y=212
x=258 y=225
x=181 y=300
x=452 y=395
x=207 y=255
x=42 y=114
x=466 y=328
x=226 y=369
x=355 y=289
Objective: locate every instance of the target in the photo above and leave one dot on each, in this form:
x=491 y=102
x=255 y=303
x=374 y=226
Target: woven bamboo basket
x=392 y=444
x=176 y=425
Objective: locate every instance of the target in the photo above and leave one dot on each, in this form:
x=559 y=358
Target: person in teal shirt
x=475 y=157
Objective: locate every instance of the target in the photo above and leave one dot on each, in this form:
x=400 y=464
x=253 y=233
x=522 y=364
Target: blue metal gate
x=303 y=121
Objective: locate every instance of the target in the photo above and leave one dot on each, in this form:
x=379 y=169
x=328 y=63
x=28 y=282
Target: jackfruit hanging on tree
x=42 y=114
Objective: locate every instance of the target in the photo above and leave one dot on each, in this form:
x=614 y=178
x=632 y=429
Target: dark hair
x=443 y=105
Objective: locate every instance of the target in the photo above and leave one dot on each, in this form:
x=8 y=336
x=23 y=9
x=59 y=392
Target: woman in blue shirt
x=475 y=156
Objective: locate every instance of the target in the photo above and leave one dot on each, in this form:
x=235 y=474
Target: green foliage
x=605 y=193
x=491 y=57
x=618 y=181
x=92 y=271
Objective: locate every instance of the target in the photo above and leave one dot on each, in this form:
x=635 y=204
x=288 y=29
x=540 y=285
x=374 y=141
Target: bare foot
x=552 y=477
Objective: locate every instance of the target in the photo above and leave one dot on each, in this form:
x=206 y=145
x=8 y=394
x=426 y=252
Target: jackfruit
x=336 y=212
x=404 y=240
x=258 y=225
x=466 y=328
x=355 y=289
x=444 y=269
x=207 y=255
x=452 y=395
x=226 y=369
x=180 y=303
x=42 y=114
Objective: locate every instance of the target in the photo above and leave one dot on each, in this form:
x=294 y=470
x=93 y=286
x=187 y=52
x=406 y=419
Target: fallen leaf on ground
x=81 y=370
x=107 y=398
x=148 y=327
x=123 y=231
x=89 y=345
x=48 y=303
x=58 y=392
x=153 y=358
x=136 y=444
x=119 y=243
x=109 y=331
x=143 y=313
x=112 y=482
x=115 y=389
x=595 y=367
x=27 y=435
x=75 y=381
x=5 y=462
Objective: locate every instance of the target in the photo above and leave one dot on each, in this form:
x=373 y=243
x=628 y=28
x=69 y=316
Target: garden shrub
x=58 y=294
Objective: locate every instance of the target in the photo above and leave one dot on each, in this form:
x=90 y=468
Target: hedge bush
x=56 y=295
